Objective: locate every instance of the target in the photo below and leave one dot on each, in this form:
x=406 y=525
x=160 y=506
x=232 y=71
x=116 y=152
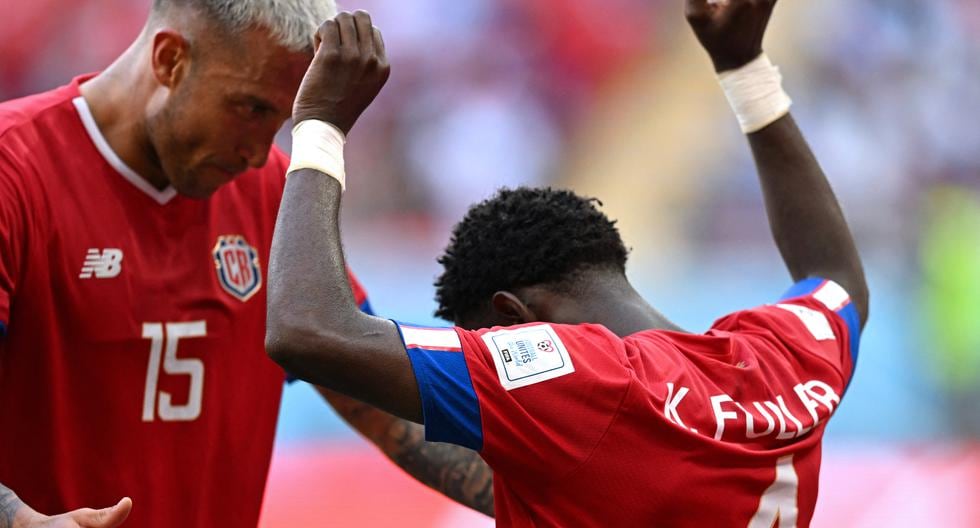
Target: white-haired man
x=136 y=214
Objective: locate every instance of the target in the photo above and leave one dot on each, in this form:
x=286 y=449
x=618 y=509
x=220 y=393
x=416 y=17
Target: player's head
x=225 y=74
x=528 y=255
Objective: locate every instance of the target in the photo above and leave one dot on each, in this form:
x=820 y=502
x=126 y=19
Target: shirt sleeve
x=534 y=400
x=815 y=318
x=13 y=224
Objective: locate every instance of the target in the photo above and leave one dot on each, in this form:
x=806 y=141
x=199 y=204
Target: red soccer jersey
x=583 y=428
x=133 y=361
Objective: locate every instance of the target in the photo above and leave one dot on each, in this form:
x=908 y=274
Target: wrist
x=319 y=145
x=755 y=93
x=727 y=64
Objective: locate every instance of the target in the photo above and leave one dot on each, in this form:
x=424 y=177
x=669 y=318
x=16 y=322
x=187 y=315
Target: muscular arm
x=805 y=218
x=314 y=328
x=453 y=471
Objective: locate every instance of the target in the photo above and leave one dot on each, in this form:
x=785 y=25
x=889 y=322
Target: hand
x=731 y=31
x=347 y=72
x=82 y=518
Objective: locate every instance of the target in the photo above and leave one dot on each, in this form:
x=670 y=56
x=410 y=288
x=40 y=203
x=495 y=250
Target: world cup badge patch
x=237 y=265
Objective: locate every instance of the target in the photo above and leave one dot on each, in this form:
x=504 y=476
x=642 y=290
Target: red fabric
x=598 y=447
x=75 y=363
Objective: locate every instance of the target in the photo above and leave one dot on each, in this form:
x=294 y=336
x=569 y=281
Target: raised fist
x=731 y=31
x=347 y=72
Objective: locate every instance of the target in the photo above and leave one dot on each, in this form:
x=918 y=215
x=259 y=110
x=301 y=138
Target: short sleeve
x=828 y=296
x=814 y=318
x=534 y=399
x=13 y=233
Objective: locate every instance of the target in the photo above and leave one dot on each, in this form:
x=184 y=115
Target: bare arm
x=806 y=221
x=456 y=472
x=314 y=328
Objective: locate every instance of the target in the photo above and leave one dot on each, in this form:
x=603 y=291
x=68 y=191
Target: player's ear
x=171 y=57
x=511 y=309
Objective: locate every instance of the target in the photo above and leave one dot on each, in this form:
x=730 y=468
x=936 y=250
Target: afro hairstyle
x=524 y=237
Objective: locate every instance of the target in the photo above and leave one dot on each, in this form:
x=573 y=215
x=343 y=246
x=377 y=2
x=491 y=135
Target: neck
x=118 y=98
x=624 y=312
x=600 y=297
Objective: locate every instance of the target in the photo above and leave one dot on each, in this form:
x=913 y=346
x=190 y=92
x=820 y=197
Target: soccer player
x=591 y=408
x=136 y=213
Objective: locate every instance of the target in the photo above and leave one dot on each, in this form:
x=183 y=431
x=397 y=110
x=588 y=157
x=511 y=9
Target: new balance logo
x=104 y=264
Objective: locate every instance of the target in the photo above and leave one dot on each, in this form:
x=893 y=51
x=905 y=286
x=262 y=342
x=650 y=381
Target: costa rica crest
x=237 y=265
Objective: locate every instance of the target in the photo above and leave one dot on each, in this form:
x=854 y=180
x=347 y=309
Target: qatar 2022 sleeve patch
x=528 y=355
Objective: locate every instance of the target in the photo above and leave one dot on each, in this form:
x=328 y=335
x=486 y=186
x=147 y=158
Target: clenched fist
x=731 y=31
x=347 y=72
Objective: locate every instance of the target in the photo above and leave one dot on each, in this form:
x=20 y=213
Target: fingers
x=365 y=32
x=329 y=34
x=349 y=47
x=104 y=518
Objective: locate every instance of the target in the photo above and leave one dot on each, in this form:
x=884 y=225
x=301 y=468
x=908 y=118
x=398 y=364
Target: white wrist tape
x=319 y=145
x=755 y=92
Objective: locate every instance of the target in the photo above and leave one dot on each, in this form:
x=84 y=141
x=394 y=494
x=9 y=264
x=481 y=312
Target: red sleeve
x=13 y=233
x=547 y=393
x=815 y=320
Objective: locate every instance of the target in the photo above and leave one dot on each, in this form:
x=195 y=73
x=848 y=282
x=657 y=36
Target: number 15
x=171 y=334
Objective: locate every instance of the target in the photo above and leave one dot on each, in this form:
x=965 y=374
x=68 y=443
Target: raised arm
x=804 y=216
x=314 y=328
x=456 y=472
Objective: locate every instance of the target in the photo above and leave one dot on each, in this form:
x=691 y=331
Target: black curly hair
x=523 y=237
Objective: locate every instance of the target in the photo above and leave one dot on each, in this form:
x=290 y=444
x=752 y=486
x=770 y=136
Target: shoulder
x=529 y=354
x=20 y=117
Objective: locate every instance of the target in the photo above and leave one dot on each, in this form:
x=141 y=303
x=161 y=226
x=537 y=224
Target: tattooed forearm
x=454 y=471
x=9 y=504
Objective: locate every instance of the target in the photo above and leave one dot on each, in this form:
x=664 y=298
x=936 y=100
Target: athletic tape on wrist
x=319 y=145
x=755 y=92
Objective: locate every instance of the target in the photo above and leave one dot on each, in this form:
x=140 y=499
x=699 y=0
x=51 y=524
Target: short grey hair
x=292 y=23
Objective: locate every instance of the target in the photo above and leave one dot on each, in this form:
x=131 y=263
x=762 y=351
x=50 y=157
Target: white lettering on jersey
x=673 y=400
x=812 y=395
x=529 y=355
x=105 y=264
x=722 y=415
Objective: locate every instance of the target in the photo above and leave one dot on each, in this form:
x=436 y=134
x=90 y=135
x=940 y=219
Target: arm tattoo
x=9 y=504
x=456 y=472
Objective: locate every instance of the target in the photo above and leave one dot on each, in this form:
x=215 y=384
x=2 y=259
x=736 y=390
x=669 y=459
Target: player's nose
x=255 y=155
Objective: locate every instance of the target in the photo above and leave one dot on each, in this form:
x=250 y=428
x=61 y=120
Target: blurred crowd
x=613 y=98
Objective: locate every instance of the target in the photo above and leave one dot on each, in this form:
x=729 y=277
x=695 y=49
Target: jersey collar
x=160 y=196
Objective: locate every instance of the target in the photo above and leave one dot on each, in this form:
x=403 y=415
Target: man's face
x=222 y=117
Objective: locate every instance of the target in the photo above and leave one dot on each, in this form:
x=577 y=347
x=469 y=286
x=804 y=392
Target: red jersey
x=133 y=362
x=584 y=428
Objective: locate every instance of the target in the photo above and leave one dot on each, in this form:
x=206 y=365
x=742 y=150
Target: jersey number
x=168 y=336
x=777 y=508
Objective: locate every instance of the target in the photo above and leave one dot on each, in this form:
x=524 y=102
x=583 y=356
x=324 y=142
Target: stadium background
x=614 y=99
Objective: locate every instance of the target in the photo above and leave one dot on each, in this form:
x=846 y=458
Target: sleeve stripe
x=440 y=339
x=450 y=407
x=831 y=295
x=837 y=300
